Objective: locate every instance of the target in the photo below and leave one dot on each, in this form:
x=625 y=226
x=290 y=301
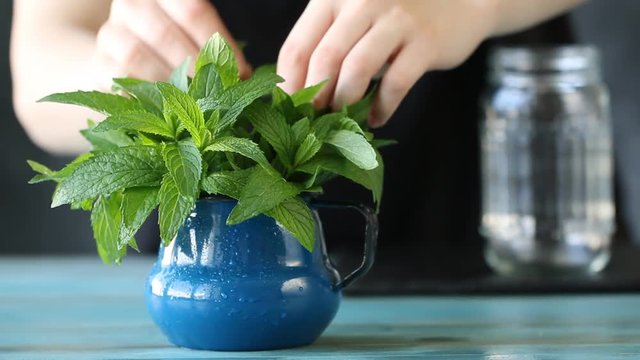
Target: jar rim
x=544 y=58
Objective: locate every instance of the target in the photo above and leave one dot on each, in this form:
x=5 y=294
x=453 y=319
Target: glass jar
x=546 y=160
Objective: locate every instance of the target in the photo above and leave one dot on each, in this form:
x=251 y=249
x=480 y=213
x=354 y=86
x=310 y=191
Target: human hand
x=350 y=41
x=147 y=39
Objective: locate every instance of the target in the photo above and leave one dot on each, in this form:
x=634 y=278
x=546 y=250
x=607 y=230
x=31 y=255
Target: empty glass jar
x=547 y=203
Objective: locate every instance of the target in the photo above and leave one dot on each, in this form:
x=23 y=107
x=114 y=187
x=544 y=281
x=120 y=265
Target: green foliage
x=163 y=145
x=294 y=215
x=108 y=104
x=174 y=209
x=105 y=220
x=218 y=52
x=263 y=192
x=137 y=205
x=110 y=171
x=145 y=92
x=184 y=162
x=307 y=95
x=273 y=127
x=179 y=76
x=142 y=121
x=354 y=147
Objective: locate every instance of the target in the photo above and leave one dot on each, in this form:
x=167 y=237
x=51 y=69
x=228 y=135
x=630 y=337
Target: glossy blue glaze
x=250 y=286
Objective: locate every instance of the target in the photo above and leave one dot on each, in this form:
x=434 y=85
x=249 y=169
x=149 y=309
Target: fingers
x=155 y=28
x=327 y=58
x=405 y=70
x=122 y=53
x=147 y=39
x=366 y=59
x=293 y=59
x=200 y=20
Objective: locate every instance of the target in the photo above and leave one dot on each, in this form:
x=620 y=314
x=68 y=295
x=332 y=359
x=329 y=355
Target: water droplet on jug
x=223 y=295
x=300 y=288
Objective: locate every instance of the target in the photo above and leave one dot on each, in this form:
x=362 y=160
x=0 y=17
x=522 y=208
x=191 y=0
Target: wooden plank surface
x=77 y=308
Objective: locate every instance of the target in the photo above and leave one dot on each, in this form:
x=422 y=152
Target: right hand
x=147 y=39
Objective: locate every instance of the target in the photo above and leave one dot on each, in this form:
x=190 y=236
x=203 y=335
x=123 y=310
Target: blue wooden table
x=77 y=308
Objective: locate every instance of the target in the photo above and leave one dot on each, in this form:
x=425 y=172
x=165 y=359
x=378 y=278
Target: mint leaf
x=354 y=147
x=265 y=69
x=326 y=124
x=39 y=168
x=105 y=221
x=359 y=111
x=206 y=83
x=308 y=149
x=295 y=216
x=370 y=179
x=274 y=128
x=137 y=205
x=86 y=205
x=110 y=171
x=173 y=211
x=306 y=95
x=185 y=166
x=244 y=147
x=283 y=102
x=186 y=109
x=218 y=52
x=307 y=110
x=107 y=140
x=263 y=192
x=45 y=174
x=239 y=96
x=229 y=183
x=349 y=124
x=145 y=92
x=213 y=121
x=101 y=102
x=378 y=143
x=136 y=120
x=179 y=77
x=300 y=130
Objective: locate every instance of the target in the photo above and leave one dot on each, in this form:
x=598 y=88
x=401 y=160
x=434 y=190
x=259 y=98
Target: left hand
x=350 y=41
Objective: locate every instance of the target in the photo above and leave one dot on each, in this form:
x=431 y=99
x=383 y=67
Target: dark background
x=27 y=223
x=29 y=226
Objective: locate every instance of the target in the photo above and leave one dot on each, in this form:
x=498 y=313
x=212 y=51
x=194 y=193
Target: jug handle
x=370 y=240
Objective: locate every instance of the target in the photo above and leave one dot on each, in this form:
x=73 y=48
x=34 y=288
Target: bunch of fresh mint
x=162 y=145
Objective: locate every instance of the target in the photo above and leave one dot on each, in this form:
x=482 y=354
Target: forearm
x=53 y=57
x=514 y=15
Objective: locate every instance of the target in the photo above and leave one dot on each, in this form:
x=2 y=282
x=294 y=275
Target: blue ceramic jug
x=250 y=286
